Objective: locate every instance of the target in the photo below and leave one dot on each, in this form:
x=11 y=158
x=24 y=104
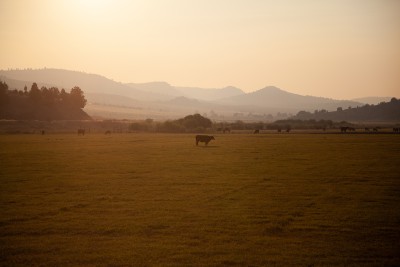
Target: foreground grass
x=157 y=199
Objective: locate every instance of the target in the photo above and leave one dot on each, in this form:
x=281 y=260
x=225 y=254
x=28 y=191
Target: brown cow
x=81 y=131
x=204 y=139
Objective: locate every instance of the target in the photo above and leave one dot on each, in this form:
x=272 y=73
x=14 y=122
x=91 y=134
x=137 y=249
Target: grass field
x=158 y=200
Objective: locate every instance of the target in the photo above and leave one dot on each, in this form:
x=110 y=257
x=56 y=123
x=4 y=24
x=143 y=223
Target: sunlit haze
x=340 y=49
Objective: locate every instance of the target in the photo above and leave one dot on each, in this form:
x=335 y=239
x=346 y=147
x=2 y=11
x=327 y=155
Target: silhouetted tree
x=3 y=93
x=77 y=98
x=34 y=93
x=195 y=121
x=64 y=97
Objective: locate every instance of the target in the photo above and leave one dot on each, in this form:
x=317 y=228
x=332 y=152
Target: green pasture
x=158 y=200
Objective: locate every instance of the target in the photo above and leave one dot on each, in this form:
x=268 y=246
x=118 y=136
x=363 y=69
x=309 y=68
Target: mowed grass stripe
x=158 y=199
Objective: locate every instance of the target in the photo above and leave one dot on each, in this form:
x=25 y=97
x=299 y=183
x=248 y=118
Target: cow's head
x=212 y=138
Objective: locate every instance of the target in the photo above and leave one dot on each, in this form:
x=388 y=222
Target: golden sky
x=331 y=48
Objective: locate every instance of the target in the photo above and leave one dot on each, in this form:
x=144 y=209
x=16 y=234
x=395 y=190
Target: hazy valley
x=160 y=100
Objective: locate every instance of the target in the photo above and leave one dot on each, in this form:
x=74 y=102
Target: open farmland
x=157 y=199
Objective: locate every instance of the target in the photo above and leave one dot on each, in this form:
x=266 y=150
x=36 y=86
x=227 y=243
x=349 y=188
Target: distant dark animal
x=107 y=132
x=375 y=129
x=279 y=130
x=43 y=132
x=351 y=129
x=226 y=130
x=256 y=131
x=288 y=130
x=366 y=129
x=81 y=131
x=204 y=139
x=396 y=130
x=344 y=129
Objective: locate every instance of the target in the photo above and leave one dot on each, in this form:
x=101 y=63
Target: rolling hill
x=164 y=101
x=274 y=97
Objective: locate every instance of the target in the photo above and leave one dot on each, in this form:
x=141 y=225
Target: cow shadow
x=208 y=146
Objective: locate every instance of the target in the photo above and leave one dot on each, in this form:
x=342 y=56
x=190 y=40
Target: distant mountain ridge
x=274 y=97
x=162 y=100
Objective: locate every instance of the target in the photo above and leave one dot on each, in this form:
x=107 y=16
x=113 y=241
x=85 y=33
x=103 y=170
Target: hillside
x=164 y=90
x=383 y=112
x=274 y=97
x=169 y=91
x=210 y=94
x=111 y=99
x=93 y=83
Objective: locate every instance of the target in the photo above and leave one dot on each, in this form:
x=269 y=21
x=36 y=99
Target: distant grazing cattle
x=204 y=139
x=288 y=130
x=344 y=129
x=107 y=132
x=375 y=129
x=366 y=129
x=396 y=130
x=279 y=130
x=256 y=131
x=351 y=129
x=226 y=130
x=81 y=131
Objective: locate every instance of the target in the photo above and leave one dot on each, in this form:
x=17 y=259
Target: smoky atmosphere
x=199 y=133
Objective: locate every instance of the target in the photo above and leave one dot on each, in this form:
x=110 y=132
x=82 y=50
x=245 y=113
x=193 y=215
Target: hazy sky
x=331 y=48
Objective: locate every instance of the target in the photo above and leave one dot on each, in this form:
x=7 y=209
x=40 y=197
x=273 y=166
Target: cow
x=352 y=129
x=375 y=129
x=344 y=129
x=396 y=130
x=81 y=131
x=204 y=139
x=288 y=130
x=257 y=131
x=279 y=130
x=367 y=129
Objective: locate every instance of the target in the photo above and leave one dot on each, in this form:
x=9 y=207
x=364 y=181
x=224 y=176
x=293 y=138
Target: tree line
x=44 y=95
x=41 y=103
x=199 y=124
